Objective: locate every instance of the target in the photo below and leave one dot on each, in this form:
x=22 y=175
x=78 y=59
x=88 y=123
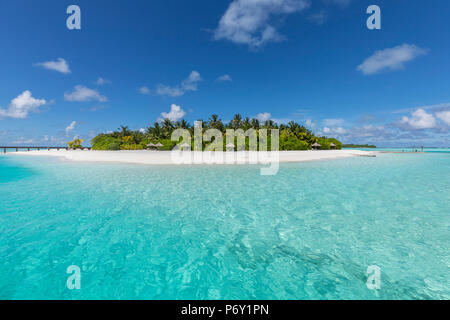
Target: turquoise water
x=225 y=232
x=407 y=149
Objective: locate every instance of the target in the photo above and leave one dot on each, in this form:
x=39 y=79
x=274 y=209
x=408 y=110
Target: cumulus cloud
x=70 y=127
x=373 y=134
x=427 y=125
x=262 y=117
x=59 y=65
x=82 y=94
x=248 y=21
x=419 y=119
x=444 y=116
x=175 y=113
x=21 y=106
x=224 y=78
x=390 y=59
x=189 y=84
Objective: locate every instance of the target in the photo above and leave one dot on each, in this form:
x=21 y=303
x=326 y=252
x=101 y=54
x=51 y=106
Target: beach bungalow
x=159 y=145
x=151 y=146
x=316 y=146
x=332 y=146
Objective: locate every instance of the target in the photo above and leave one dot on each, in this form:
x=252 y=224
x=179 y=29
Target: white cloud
x=164 y=90
x=101 y=81
x=390 y=59
x=420 y=120
x=144 y=90
x=248 y=21
x=82 y=93
x=369 y=130
x=262 y=117
x=142 y=130
x=336 y=130
x=70 y=127
x=21 y=106
x=22 y=140
x=175 y=114
x=60 y=65
x=282 y=120
x=427 y=125
x=310 y=123
x=364 y=134
x=444 y=116
x=265 y=116
x=189 y=84
x=224 y=78
x=333 y=122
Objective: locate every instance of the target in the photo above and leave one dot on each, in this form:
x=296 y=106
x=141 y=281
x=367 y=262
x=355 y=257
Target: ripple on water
x=160 y=232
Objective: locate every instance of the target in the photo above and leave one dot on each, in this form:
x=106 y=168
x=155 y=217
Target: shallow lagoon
x=225 y=232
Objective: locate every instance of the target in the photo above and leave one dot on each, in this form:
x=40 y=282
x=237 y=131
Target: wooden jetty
x=22 y=148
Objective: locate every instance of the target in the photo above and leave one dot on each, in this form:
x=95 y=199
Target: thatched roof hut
x=316 y=145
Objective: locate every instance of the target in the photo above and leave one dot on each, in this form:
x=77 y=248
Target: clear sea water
x=225 y=232
x=405 y=149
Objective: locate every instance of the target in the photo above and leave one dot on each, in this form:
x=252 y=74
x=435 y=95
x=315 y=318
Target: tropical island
x=292 y=136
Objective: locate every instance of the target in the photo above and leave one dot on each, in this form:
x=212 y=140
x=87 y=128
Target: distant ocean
x=226 y=232
x=399 y=149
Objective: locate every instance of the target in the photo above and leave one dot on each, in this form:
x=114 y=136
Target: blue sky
x=311 y=61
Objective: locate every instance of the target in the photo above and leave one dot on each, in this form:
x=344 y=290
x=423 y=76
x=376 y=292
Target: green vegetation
x=358 y=146
x=75 y=144
x=293 y=136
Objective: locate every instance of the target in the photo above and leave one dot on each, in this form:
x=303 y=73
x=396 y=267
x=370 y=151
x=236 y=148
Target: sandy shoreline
x=167 y=158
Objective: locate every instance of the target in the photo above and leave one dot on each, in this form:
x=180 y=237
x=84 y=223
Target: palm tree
x=294 y=128
x=255 y=123
x=167 y=128
x=154 y=132
x=236 y=122
x=124 y=131
x=212 y=120
x=246 y=124
x=270 y=124
x=128 y=139
x=215 y=123
x=183 y=124
x=137 y=136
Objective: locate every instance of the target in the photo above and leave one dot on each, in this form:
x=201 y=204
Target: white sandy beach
x=167 y=158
